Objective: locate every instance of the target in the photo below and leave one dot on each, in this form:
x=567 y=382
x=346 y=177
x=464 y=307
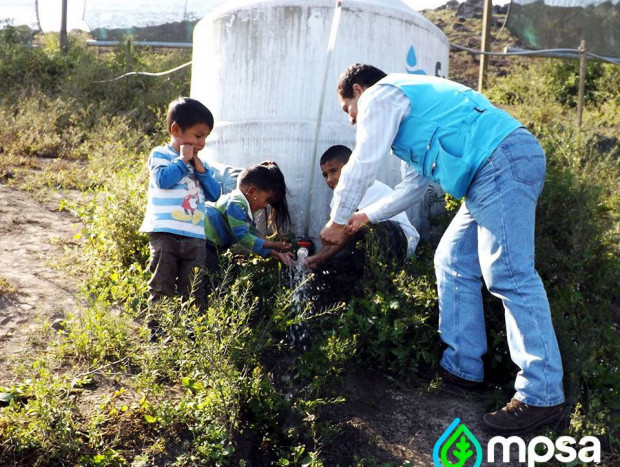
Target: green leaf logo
x=456 y=447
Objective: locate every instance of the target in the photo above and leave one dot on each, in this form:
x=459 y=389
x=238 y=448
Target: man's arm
x=411 y=188
x=326 y=252
x=381 y=110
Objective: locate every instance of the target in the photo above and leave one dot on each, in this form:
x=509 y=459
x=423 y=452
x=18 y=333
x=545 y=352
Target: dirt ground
x=33 y=289
x=391 y=424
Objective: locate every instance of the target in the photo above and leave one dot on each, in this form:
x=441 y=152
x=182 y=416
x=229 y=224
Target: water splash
x=454 y=447
x=302 y=254
x=298 y=333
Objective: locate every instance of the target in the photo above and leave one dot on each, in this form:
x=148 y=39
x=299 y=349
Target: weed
x=6 y=288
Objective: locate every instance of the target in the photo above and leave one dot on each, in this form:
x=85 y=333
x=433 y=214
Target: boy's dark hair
x=186 y=112
x=339 y=152
x=267 y=176
x=364 y=75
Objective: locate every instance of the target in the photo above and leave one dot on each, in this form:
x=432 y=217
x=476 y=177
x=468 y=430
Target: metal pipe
x=172 y=45
x=330 y=48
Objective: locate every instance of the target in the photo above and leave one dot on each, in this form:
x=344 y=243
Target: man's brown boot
x=518 y=417
x=452 y=380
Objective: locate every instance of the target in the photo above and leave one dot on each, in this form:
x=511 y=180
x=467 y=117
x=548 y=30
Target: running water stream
x=298 y=333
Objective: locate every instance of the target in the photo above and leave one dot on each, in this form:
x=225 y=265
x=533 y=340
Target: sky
x=50 y=11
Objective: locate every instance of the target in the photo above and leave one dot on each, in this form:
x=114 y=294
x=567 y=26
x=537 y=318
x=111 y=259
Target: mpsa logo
x=458 y=447
x=589 y=450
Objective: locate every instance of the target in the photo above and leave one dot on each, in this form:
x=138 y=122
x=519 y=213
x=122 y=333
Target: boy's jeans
x=492 y=239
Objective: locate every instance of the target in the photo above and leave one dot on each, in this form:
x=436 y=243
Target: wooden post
x=486 y=36
x=63 y=27
x=128 y=55
x=582 y=81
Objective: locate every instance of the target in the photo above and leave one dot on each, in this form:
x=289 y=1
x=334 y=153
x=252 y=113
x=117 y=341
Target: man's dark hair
x=339 y=152
x=364 y=75
x=187 y=112
x=267 y=176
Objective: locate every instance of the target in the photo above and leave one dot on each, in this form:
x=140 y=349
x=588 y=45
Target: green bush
x=394 y=321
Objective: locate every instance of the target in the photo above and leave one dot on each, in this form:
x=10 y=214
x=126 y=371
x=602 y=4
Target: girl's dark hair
x=364 y=75
x=187 y=112
x=267 y=176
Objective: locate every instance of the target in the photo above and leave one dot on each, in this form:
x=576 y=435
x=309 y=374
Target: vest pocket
x=450 y=171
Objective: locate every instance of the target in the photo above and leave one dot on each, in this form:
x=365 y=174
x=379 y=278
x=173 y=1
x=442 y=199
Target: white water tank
x=259 y=66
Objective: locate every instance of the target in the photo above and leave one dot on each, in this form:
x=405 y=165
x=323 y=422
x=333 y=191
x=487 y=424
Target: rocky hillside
x=462 y=24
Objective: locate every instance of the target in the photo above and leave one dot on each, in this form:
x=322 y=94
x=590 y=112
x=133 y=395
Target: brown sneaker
x=518 y=417
x=461 y=383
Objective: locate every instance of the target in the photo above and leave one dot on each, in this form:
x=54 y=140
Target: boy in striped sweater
x=179 y=185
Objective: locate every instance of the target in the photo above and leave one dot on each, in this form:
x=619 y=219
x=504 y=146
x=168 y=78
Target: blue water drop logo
x=456 y=447
x=412 y=61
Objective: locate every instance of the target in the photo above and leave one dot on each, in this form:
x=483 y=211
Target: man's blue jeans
x=491 y=239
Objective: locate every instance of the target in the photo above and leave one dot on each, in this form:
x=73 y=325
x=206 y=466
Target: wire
x=145 y=73
x=456 y=46
x=536 y=52
x=615 y=61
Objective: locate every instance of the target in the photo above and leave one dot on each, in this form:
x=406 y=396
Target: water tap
x=302 y=254
x=305 y=248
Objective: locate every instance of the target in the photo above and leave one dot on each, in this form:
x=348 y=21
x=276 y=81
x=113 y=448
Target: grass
x=6 y=288
x=225 y=387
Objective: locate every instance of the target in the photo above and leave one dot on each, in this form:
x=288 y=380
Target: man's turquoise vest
x=450 y=132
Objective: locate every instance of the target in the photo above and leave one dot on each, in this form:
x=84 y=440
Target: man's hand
x=312 y=262
x=357 y=221
x=333 y=234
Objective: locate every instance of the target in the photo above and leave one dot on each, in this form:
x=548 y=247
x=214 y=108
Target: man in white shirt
x=453 y=136
x=401 y=236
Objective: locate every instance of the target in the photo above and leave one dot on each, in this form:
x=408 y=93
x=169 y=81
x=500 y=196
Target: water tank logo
x=412 y=61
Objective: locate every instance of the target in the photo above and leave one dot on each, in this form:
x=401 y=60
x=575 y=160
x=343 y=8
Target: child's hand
x=283 y=246
x=279 y=246
x=286 y=258
x=188 y=152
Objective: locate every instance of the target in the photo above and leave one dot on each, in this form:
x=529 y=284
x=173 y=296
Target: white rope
x=145 y=73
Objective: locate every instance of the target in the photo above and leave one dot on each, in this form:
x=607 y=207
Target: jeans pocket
x=526 y=158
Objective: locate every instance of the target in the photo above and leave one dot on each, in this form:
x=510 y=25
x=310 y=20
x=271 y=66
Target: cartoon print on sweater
x=189 y=205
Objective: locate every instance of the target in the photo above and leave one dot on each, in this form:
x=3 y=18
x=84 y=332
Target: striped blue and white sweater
x=177 y=194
